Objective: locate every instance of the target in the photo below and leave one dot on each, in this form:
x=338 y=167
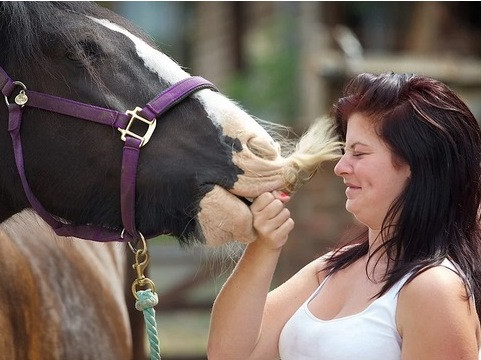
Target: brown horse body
x=60 y=298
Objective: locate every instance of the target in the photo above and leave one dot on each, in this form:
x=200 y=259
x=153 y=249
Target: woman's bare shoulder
x=436 y=311
x=438 y=281
x=437 y=295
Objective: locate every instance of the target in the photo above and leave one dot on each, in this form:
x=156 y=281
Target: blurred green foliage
x=268 y=87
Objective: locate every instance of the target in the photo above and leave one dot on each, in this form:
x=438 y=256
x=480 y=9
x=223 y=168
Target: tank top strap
x=390 y=298
x=321 y=285
x=447 y=263
x=451 y=265
x=398 y=286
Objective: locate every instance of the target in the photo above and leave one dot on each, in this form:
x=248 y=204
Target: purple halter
x=122 y=121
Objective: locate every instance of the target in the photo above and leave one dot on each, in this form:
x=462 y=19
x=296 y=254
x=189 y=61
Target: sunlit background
x=286 y=62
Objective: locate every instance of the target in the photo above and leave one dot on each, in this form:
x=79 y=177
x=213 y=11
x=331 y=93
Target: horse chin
x=224 y=218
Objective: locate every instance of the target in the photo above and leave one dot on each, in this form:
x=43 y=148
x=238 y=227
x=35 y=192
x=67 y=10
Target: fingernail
x=284 y=195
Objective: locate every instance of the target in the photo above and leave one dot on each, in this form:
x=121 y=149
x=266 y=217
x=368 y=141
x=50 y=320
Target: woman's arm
x=246 y=321
x=435 y=319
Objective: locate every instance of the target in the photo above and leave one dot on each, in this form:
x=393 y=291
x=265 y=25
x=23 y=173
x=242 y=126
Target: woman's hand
x=244 y=325
x=272 y=220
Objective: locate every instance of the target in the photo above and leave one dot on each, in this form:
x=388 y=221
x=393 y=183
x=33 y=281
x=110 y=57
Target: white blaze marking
x=154 y=60
x=220 y=110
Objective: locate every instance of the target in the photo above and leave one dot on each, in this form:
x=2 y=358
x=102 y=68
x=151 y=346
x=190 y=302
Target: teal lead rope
x=145 y=303
x=146 y=299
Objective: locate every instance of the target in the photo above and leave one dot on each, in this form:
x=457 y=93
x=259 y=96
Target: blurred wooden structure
x=335 y=41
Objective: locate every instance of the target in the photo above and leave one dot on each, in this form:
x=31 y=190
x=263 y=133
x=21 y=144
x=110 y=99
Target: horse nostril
x=263 y=148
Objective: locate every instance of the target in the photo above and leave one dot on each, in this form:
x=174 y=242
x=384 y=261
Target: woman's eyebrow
x=353 y=145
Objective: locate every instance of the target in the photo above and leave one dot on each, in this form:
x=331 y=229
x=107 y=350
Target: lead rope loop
x=146 y=299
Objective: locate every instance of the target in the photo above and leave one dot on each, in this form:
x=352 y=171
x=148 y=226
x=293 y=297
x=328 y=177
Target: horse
x=61 y=298
x=108 y=139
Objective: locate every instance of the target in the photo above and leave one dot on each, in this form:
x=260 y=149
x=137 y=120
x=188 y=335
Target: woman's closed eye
x=358 y=153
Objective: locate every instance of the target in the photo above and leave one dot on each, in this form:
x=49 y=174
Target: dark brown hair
x=428 y=127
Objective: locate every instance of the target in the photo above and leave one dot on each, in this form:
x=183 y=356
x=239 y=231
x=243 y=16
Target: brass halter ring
x=132 y=247
x=21 y=98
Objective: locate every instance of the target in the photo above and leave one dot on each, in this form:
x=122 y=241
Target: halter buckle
x=134 y=115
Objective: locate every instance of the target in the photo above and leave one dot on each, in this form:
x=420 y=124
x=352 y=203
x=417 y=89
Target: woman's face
x=373 y=181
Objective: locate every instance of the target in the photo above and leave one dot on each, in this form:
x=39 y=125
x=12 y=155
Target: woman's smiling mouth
x=351 y=189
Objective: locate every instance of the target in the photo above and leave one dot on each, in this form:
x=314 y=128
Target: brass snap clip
x=142 y=258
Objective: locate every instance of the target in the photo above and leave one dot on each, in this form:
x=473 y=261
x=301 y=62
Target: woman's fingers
x=271 y=223
x=271 y=210
x=282 y=232
x=261 y=202
x=265 y=199
x=272 y=220
x=282 y=196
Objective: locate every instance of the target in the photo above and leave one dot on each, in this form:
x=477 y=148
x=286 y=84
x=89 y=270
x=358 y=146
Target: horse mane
x=26 y=27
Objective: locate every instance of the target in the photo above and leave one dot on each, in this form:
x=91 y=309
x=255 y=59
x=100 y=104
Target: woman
x=406 y=288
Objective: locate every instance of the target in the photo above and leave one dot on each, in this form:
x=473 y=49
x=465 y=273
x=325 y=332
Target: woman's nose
x=342 y=167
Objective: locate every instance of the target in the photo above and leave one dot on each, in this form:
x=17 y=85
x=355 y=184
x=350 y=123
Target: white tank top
x=368 y=335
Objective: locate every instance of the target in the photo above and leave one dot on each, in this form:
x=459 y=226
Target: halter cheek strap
x=122 y=121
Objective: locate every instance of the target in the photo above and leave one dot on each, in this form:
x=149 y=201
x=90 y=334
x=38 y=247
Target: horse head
x=204 y=158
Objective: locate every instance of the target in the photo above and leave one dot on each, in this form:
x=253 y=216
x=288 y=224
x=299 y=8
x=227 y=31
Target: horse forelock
x=27 y=27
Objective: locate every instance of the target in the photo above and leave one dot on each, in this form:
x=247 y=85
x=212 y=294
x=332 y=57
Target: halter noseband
x=122 y=121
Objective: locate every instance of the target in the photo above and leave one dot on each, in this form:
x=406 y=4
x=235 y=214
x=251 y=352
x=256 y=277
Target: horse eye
x=84 y=51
